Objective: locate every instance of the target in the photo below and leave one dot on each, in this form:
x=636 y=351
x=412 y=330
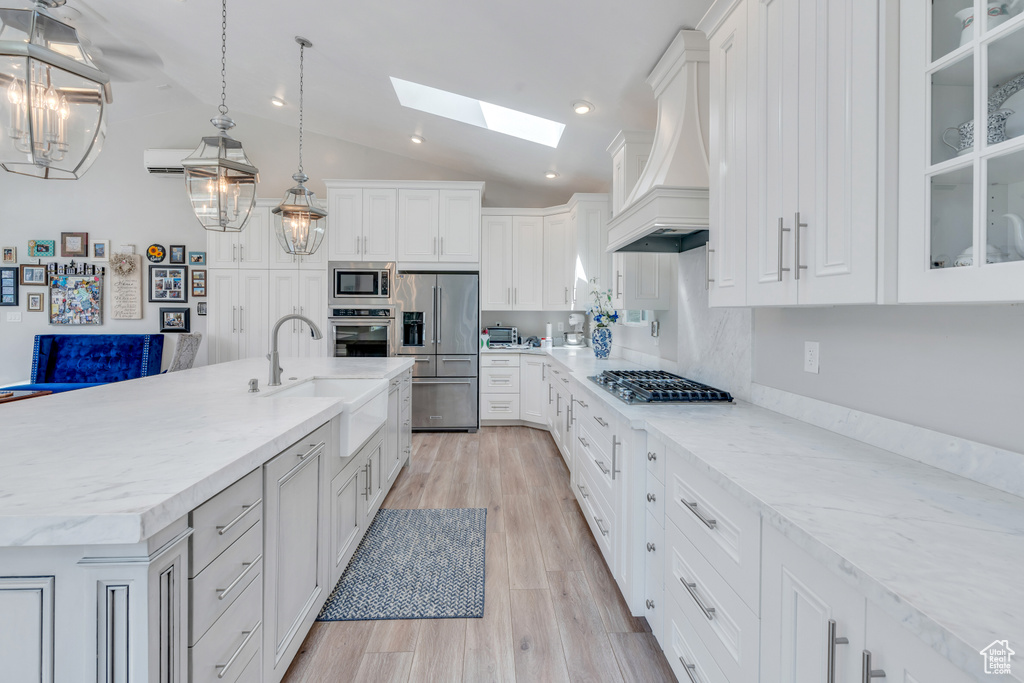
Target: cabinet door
x=345 y=224
x=393 y=448
x=650 y=281
x=906 y=659
x=417 y=225
x=527 y=263
x=727 y=245
x=346 y=517
x=459 y=228
x=799 y=598
x=380 y=224
x=376 y=473
x=222 y=317
x=254 y=240
x=27 y=649
x=775 y=125
x=253 y=313
x=591 y=264
x=284 y=300
x=313 y=305
x=617 y=283
x=496 y=264
x=557 y=280
x=532 y=389
x=221 y=249
x=293 y=582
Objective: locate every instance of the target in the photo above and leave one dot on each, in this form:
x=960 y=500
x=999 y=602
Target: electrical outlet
x=14 y=316
x=811 y=357
x=561 y=326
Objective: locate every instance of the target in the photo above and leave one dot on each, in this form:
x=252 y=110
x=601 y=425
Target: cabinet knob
x=652 y=456
x=651 y=498
x=650 y=547
x=650 y=604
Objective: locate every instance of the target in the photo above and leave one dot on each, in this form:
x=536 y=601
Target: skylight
x=477 y=113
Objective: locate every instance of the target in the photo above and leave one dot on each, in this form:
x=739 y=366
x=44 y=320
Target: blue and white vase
x=601 y=341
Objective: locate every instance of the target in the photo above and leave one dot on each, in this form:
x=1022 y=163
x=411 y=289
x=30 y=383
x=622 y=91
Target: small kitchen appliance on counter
x=503 y=337
x=637 y=387
x=575 y=339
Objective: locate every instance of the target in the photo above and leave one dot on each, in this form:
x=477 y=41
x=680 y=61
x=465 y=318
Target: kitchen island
x=105 y=493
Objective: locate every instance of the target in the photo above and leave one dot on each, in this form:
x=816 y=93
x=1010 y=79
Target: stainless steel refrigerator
x=437 y=316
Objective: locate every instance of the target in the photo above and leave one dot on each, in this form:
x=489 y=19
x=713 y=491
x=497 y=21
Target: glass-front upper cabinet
x=961 y=104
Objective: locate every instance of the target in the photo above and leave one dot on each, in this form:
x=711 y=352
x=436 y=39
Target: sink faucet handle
x=254 y=385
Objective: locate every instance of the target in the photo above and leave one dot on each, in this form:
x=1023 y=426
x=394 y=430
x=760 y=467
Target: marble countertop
x=118 y=463
x=939 y=553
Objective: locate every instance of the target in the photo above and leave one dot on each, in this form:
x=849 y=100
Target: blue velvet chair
x=62 y=362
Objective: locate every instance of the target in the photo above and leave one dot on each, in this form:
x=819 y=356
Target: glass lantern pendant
x=52 y=97
x=219 y=178
x=298 y=220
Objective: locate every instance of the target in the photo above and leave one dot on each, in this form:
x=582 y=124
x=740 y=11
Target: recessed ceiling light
x=478 y=113
x=277 y=101
x=582 y=107
x=550 y=175
x=418 y=139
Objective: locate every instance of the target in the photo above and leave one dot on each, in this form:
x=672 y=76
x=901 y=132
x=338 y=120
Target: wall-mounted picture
x=74 y=244
x=201 y=308
x=197 y=258
x=199 y=283
x=41 y=249
x=155 y=253
x=101 y=250
x=167 y=284
x=174 y=320
x=10 y=254
x=76 y=300
x=35 y=302
x=8 y=286
x=33 y=275
x=177 y=254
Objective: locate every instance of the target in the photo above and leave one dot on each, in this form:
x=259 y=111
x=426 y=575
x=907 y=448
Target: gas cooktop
x=655 y=386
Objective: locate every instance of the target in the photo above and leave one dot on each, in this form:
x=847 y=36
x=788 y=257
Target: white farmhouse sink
x=365 y=401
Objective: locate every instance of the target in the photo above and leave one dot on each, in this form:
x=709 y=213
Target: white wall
x=117 y=200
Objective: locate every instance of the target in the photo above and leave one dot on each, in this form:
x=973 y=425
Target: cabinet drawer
x=499 y=406
x=215 y=588
x=727 y=533
x=684 y=649
x=654 y=498
x=499 y=380
x=499 y=360
x=595 y=457
x=656 y=456
x=654 y=576
x=223 y=519
x=726 y=626
x=233 y=639
x=456 y=366
x=253 y=671
x=600 y=515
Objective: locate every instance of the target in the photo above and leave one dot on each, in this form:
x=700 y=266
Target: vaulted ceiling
x=537 y=56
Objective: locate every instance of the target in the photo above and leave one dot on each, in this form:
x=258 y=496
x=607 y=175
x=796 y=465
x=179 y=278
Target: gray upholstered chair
x=185 y=351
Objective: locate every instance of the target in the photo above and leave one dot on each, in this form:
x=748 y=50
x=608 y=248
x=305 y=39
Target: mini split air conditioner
x=165 y=162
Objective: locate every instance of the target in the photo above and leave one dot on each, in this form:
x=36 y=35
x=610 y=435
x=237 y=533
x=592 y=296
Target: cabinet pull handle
x=582 y=403
x=652 y=456
x=650 y=604
x=708 y=522
x=618 y=280
x=442 y=245
x=358 y=250
x=558 y=405
x=583 y=441
x=246 y=509
x=366 y=245
x=550 y=387
x=651 y=498
x=691 y=588
x=543 y=372
x=366 y=481
x=781 y=230
x=456 y=360
x=867 y=673
x=515 y=291
x=690 y=669
x=709 y=279
x=231 y=660
x=247 y=566
x=796 y=258
x=241 y=318
x=830 y=672
x=556 y=371
x=566 y=295
x=433 y=249
x=583 y=491
x=600 y=465
x=234 y=253
x=420 y=360
x=615 y=446
x=565 y=379
x=508 y=295
x=650 y=547
x=313 y=448
x=234 y=318
x=597 y=521
x=600 y=421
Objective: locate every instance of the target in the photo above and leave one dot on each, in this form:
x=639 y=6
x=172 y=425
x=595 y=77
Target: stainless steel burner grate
x=657 y=386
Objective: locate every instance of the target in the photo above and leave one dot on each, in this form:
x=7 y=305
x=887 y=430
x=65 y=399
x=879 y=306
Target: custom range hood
x=667 y=209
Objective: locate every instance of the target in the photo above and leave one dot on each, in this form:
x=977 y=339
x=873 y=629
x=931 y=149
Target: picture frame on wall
x=177 y=255
x=197 y=258
x=198 y=282
x=41 y=249
x=10 y=255
x=74 y=244
x=35 y=301
x=100 y=250
x=201 y=308
x=174 y=320
x=9 y=286
x=76 y=300
x=167 y=284
x=32 y=275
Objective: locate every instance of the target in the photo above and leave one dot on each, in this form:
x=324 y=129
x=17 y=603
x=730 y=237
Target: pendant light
x=52 y=97
x=298 y=219
x=219 y=179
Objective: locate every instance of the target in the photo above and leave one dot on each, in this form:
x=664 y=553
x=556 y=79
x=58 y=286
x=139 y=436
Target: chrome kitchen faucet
x=275 y=361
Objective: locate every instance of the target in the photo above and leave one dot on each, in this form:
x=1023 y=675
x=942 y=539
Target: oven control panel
x=362 y=313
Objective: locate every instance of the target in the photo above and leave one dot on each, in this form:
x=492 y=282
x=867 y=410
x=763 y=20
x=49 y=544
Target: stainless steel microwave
x=356 y=282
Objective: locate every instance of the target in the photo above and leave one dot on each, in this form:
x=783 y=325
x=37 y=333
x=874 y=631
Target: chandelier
x=298 y=219
x=219 y=179
x=52 y=97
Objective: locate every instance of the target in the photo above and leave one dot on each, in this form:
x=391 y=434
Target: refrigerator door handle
x=431 y=380
x=437 y=319
x=433 y=315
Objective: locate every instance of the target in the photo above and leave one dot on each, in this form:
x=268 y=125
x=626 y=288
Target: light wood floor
x=552 y=609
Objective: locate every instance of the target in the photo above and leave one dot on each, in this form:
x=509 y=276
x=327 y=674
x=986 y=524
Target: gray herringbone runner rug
x=414 y=564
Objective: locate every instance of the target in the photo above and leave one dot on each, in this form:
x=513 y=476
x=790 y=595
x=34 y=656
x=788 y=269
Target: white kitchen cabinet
x=727 y=241
x=380 y=224
x=249 y=248
x=238 y=314
x=496 y=263
x=376 y=477
x=347 y=504
x=362 y=223
x=418 y=225
x=590 y=263
x=439 y=226
x=532 y=389
x=27 y=648
x=812 y=151
x=302 y=292
x=527 y=263
x=295 y=566
x=642 y=281
x=284 y=300
x=630 y=151
x=459 y=226
x=559 y=254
